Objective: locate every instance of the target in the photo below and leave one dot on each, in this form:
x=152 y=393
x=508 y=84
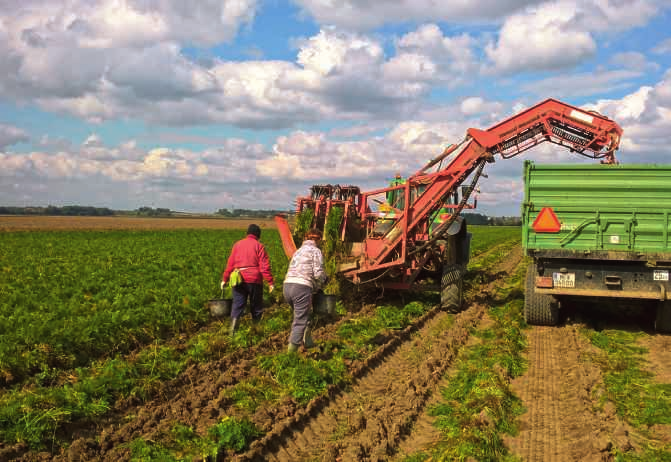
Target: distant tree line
x=246 y=213
x=67 y=210
x=151 y=212
x=84 y=210
x=480 y=219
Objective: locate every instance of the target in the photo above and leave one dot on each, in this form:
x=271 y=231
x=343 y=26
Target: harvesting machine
x=411 y=233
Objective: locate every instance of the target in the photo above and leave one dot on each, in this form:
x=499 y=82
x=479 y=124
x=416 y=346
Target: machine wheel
x=451 y=290
x=663 y=320
x=539 y=309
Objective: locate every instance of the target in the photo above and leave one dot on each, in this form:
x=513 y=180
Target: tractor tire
x=539 y=309
x=663 y=320
x=451 y=291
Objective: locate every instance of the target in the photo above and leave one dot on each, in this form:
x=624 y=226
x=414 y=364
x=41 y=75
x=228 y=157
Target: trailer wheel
x=663 y=320
x=451 y=290
x=539 y=309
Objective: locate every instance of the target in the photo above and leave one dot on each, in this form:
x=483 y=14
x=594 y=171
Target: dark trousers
x=244 y=291
x=300 y=299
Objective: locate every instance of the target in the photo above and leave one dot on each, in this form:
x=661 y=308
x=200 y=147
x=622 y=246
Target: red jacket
x=250 y=256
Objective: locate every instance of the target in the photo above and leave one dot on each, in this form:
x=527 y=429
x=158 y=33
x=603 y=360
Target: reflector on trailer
x=546 y=221
x=544 y=282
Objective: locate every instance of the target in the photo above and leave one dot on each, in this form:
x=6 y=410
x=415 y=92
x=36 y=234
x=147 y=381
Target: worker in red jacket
x=250 y=257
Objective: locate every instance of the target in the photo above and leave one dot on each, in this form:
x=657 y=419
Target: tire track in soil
x=367 y=421
x=560 y=391
x=388 y=402
x=424 y=435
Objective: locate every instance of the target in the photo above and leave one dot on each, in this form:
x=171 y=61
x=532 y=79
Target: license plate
x=661 y=275
x=566 y=280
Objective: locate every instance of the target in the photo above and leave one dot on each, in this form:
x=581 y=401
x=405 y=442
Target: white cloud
x=645 y=116
x=545 y=37
x=336 y=74
x=476 y=105
x=561 y=33
x=11 y=135
x=364 y=14
x=428 y=56
x=663 y=47
x=633 y=60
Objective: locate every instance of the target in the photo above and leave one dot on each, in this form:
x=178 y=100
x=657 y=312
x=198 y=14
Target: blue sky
x=198 y=106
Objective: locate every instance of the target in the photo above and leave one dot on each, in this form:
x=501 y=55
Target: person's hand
x=271 y=288
x=223 y=284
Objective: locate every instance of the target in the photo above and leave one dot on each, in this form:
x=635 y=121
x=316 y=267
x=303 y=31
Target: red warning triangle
x=546 y=221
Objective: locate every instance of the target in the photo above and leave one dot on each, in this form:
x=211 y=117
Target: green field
x=67 y=298
x=86 y=318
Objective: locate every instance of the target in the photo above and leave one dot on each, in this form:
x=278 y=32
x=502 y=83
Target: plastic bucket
x=220 y=307
x=324 y=304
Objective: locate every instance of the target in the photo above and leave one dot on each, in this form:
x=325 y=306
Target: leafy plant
x=303 y=224
x=333 y=248
x=637 y=397
x=250 y=394
x=303 y=378
x=234 y=433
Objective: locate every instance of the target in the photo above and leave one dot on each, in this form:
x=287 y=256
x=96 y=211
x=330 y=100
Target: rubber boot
x=256 y=327
x=234 y=326
x=308 y=341
x=292 y=348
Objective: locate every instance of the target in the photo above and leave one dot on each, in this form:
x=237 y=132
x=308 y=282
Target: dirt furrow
x=424 y=434
x=562 y=423
x=367 y=421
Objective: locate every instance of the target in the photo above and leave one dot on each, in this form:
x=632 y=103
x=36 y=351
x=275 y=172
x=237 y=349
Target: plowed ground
x=382 y=413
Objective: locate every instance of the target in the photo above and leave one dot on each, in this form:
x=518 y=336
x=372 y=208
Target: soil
x=658 y=358
x=560 y=391
x=382 y=414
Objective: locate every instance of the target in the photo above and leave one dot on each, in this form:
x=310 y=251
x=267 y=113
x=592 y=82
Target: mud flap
x=539 y=309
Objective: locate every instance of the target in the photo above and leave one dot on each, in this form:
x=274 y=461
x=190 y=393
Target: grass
x=486 y=237
x=638 y=399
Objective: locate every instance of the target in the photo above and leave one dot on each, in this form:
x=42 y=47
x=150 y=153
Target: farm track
x=386 y=406
x=195 y=398
x=562 y=421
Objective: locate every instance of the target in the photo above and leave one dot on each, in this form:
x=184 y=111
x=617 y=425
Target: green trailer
x=598 y=231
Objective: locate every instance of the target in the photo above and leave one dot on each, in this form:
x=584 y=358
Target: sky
x=220 y=104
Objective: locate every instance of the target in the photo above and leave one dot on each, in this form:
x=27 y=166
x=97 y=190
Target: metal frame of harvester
x=419 y=234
